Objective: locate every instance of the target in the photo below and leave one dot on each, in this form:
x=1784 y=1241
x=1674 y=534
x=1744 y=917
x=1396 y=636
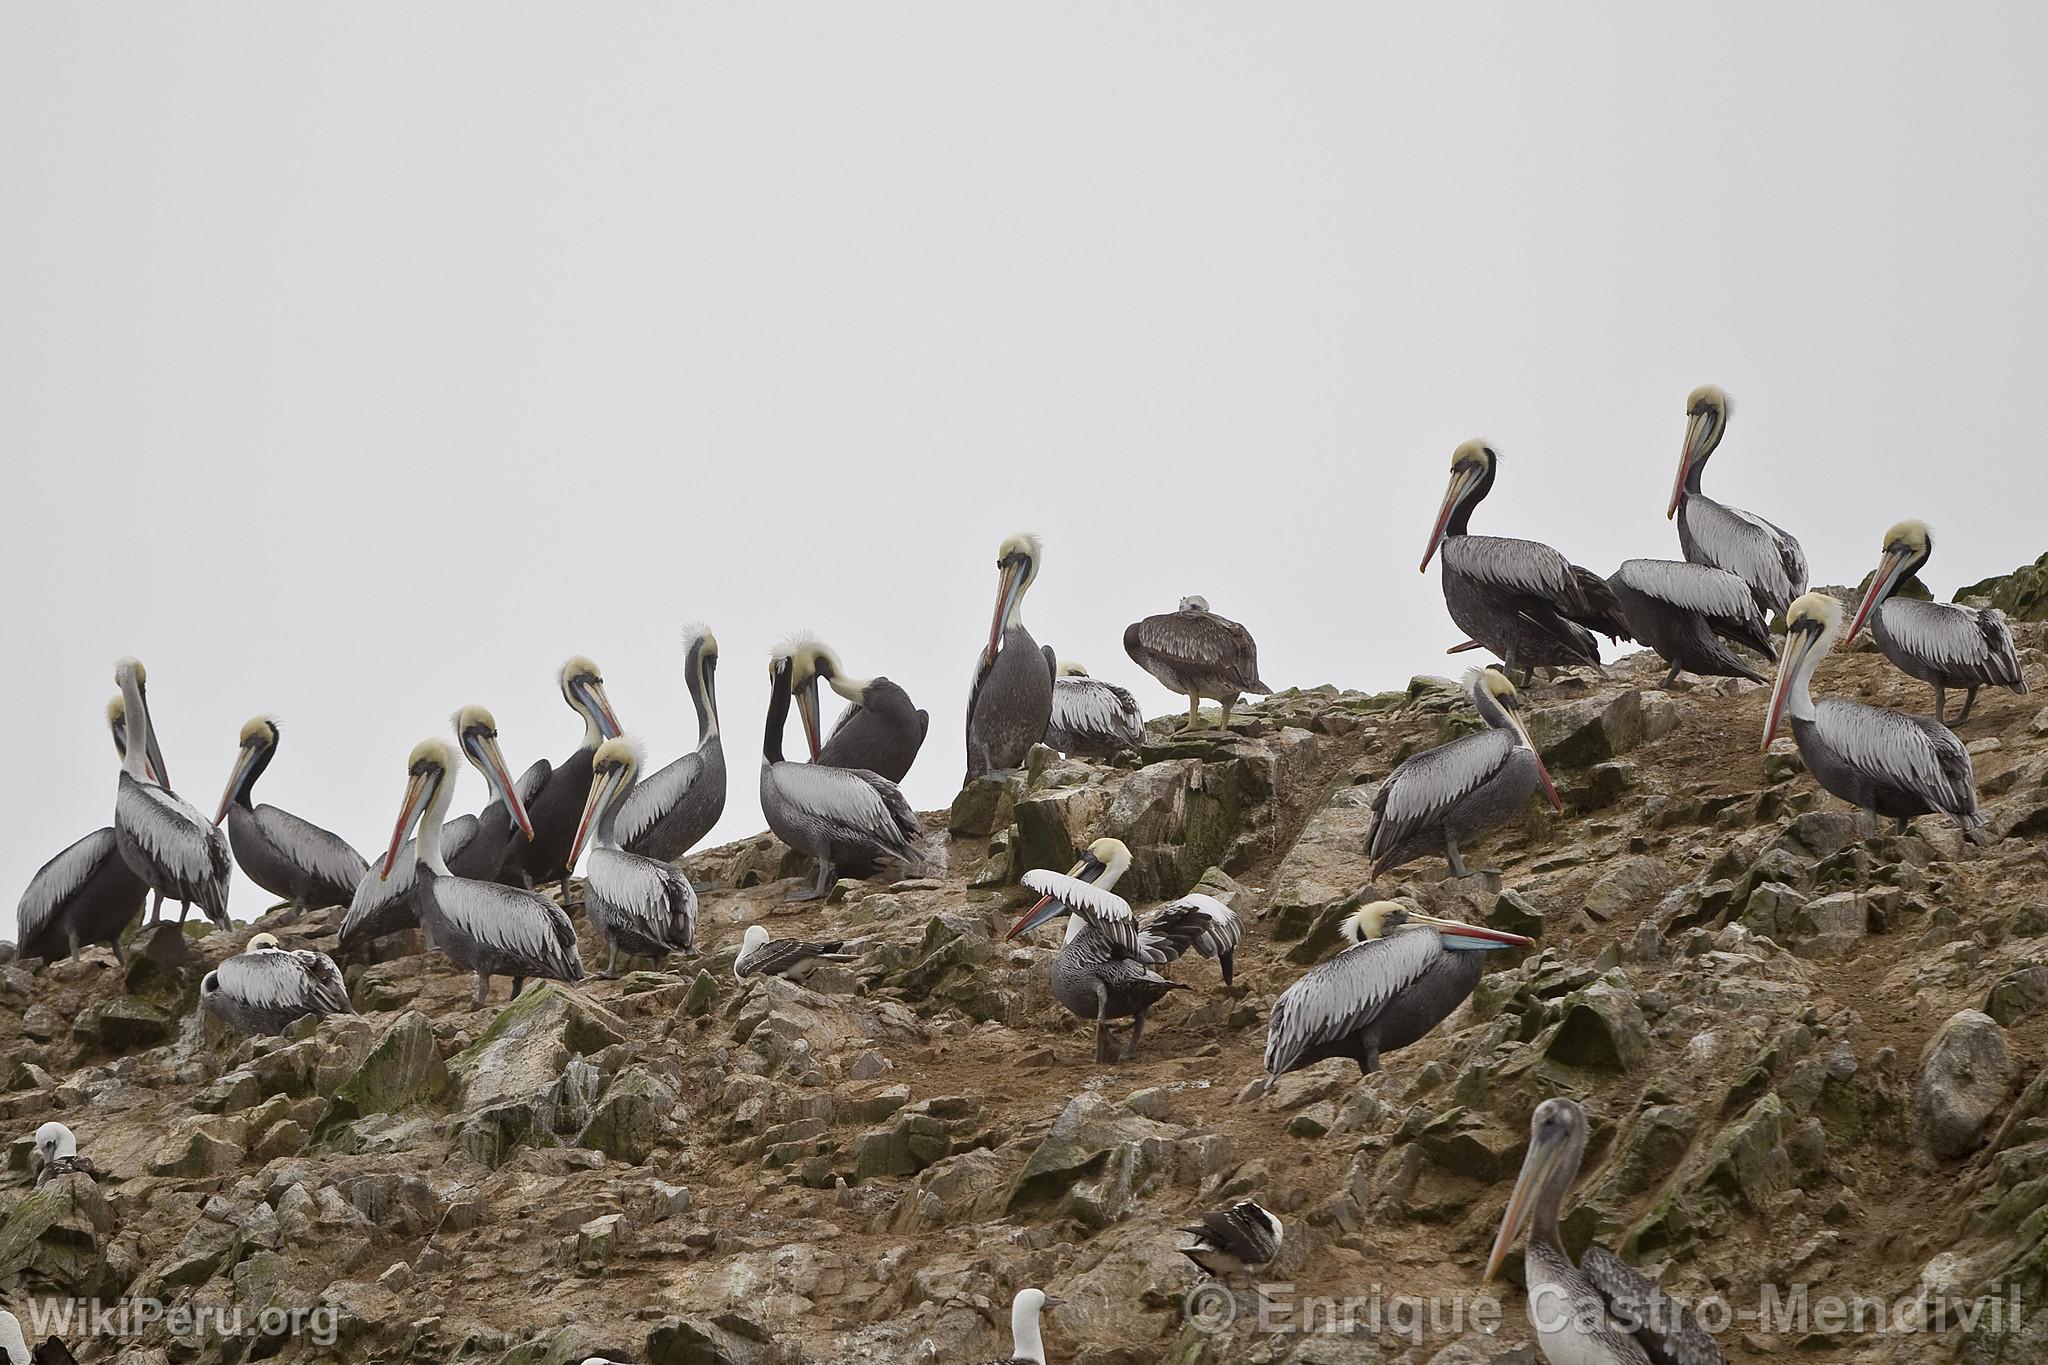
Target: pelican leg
x=1869 y=823
x=1226 y=713
x=1369 y=1058
x=1102 y=1023
x=119 y=956
x=483 y=988
x=1194 y=710
x=518 y=985
x=611 y=966
x=1451 y=854
x=1905 y=826
x=184 y=909
x=1670 y=679
x=818 y=892
x=1969 y=700
x=1137 y=1029
x=1940 y=698
x=156 y=908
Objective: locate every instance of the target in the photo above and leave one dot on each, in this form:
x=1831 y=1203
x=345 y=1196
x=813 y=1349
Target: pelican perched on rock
x=165 y=841
x=293 y=859
x=267 y=988
x=1403 y=975
x=1686 y=611
x=1010 y=703
x=1943 y=643
x=1522 y=600
x=1027 y=1346
x=1579 y=1311
x=555 y=794
x=1758 y=553
x=667 y=813
x=57 y=1150
x=1198 y=654
x=880 y=730
x=86 y=894
x=1445 y=797
x=1104 y=969
x=491 y=929
x=784 y=957
x=851 y=821
x=641 y=905
x=1886 y=763
x=1090 y=716
x=1236 y=1240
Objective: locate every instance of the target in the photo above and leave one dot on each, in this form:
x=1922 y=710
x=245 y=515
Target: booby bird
x=1103 y=970
x=1027 y=1346
x=784 y=957
x=1685 y=612
x=1522 y=600
x=1601 y=1311
x=1090 y=716
x=267 y=988
x=1886 y=763
x=850 y=820
x=1199 y=654
x=1437 y=800
x=880 y=730
x=556 y=793
x=1713 y=533
x=1403 y=975
x=164 y=839
x=1010 y=703
x=57 y=1149
x=491 y=929
x=1943 y=643
x=641 y=905
x=667 y=813
x=15 y=1346
x=86 y=894
x=1236 y=1240
x=293 y=859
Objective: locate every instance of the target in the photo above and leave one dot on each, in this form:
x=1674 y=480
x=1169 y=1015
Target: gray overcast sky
x=365 y=361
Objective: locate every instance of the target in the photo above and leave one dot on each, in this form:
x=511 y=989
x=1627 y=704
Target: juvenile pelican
x=1027 y=1347
x=165 y=841
x=1010 y=703
x=86 y=894
x=1601 y=1311
x=1090 y=716
x=293 y=859
x=665 y=815
x=1884 y=762
x=1685 y=612
x=1709 y=532
x=1447 y=796
x=1403 y=975
x=558 y=792
x=266 y=989
x=1522 y=600
x=1199 y=654
x=1943 y=643
x=880 y=730
x=57 y=1150
x=639 y=904
x=1236 y=1240
x=784 y=957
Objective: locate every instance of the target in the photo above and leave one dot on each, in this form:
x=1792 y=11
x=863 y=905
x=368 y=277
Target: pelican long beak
x=1462 y=480
x=1458 y=935
x=244 y=758
x=1536 y=1171
x=1890 y=570
x=1006 y=590
x=153 y=756
x=500 y=778
x=1798 y=645
x=1542 y=768
x=418 y=792
x=807 y=707
x=1051 y=908
x=601 y=708
x=1695 y=437
x=600 y=796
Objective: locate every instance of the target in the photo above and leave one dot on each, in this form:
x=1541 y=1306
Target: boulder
x=1965 y=1074
x=403 y=1071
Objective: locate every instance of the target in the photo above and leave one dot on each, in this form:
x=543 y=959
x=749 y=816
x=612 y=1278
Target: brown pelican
x=1027 y=1347
x=880 y=730
x=639 y=904
x=784 y=957
x=555 y=795
x=163 y=839
x=1709 y=532
x=1010 y=703
x=665 y=815
x=492 y=930
x=15 y=1346
x=86 y=894
x=1403 y=975
x=849 y=820
x=267 y=989
x=1199 y=654
x=1236 y=1240
x=1601 y=1311
x=57 y=1149
x=1446 y=796
x=1685 y=611
x=1524 y=601
x=1104 y=969
x=1884 y=762
x=292 y=859
x=1942 y=643
x=1090 y=716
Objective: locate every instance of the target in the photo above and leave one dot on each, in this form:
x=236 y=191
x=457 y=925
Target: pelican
x=1404 y=973
x=1447 y=796
x=1709 y=532
x=1524 y=601
x=1237 y=1240
x=292 y=859
x=1010 y=703
x=1943 y=643
x=880 y=730
x=1104 y=969
x=1090 y=716
x=57 y=1148
x=639 y=904
x=558 y=792
x=665 y=815
x=492 y=930
x=849 y=820
x=1685 y=611
x=1601 y=1311
x=266 y=989
x=15 y=1346
x=164 y=839
x=784 y=957
x=87 y=893
x=1886 y=763
x=1027 y=1347
x=1199 y=654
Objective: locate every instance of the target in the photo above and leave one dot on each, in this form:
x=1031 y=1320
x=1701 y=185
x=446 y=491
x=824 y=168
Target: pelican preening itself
x=784 y=957
x=880 y=730
x=1755 y=551
x=178 y=852
x=1198 y=654
x=1522 y=600
x=87 y=893
x=266 y=989
x=555 y=795
x=1601 y=1311
x=644 y=906
x=293 y=859
x=1236 y=1240
x=1403 y=975
x=57 y=1150
x=1438 y=800
x=667 y=813
x=1686 y=611
x=1090 y=716
x=1027 y=1346
x=1943 y=643
x=1010 y=703
x=1884 y=762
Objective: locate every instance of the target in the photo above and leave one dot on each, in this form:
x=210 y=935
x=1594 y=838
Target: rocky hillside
x=1809 y=1058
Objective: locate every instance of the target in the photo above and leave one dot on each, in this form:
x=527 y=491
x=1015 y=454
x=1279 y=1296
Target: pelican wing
x=1106 y=912
x=275 y=979
x=1746 y=545
x=1240 y=1231
x=1664 y=1327
x=376 y=892
x=1726 y=604
x=455 y=835
x=657 y=899
x=58 y=880
x=650 y=801
x=1201 y=640
x=513 y=922
x=852 y=802
x=1421 y=788
x=320 y=852
x=780 y=955
x=173 y=832
x=1910 y=751
x=1963 y=642
x=1196 y=922
x=1527 y=568
x=1335 y=999
x=1092 y=708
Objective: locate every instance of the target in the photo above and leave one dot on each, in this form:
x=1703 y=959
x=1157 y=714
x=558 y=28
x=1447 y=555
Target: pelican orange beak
x=418 y=792
x=1798 y=644
x=601 y=792
x=500 y=778
x=1459 y=935
x=1537 y=1168
x=1463 y=479
x=1050 y=908
x=1890 y=570
x=245 y=758
x=1695 y=437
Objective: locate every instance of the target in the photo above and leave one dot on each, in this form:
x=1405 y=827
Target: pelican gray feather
x=1198 y=654
x=87 y=893
x=1760 y=554
x=1194 y=923
x=641 y=905
x=1942 y=643
x=557 y=801
x=164 y=839
x=881 y=729
x=667 y=813
x=1686 y=611
x=1090 y=716
x=1009 y=703
x=265 y=989
x=291 y=858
